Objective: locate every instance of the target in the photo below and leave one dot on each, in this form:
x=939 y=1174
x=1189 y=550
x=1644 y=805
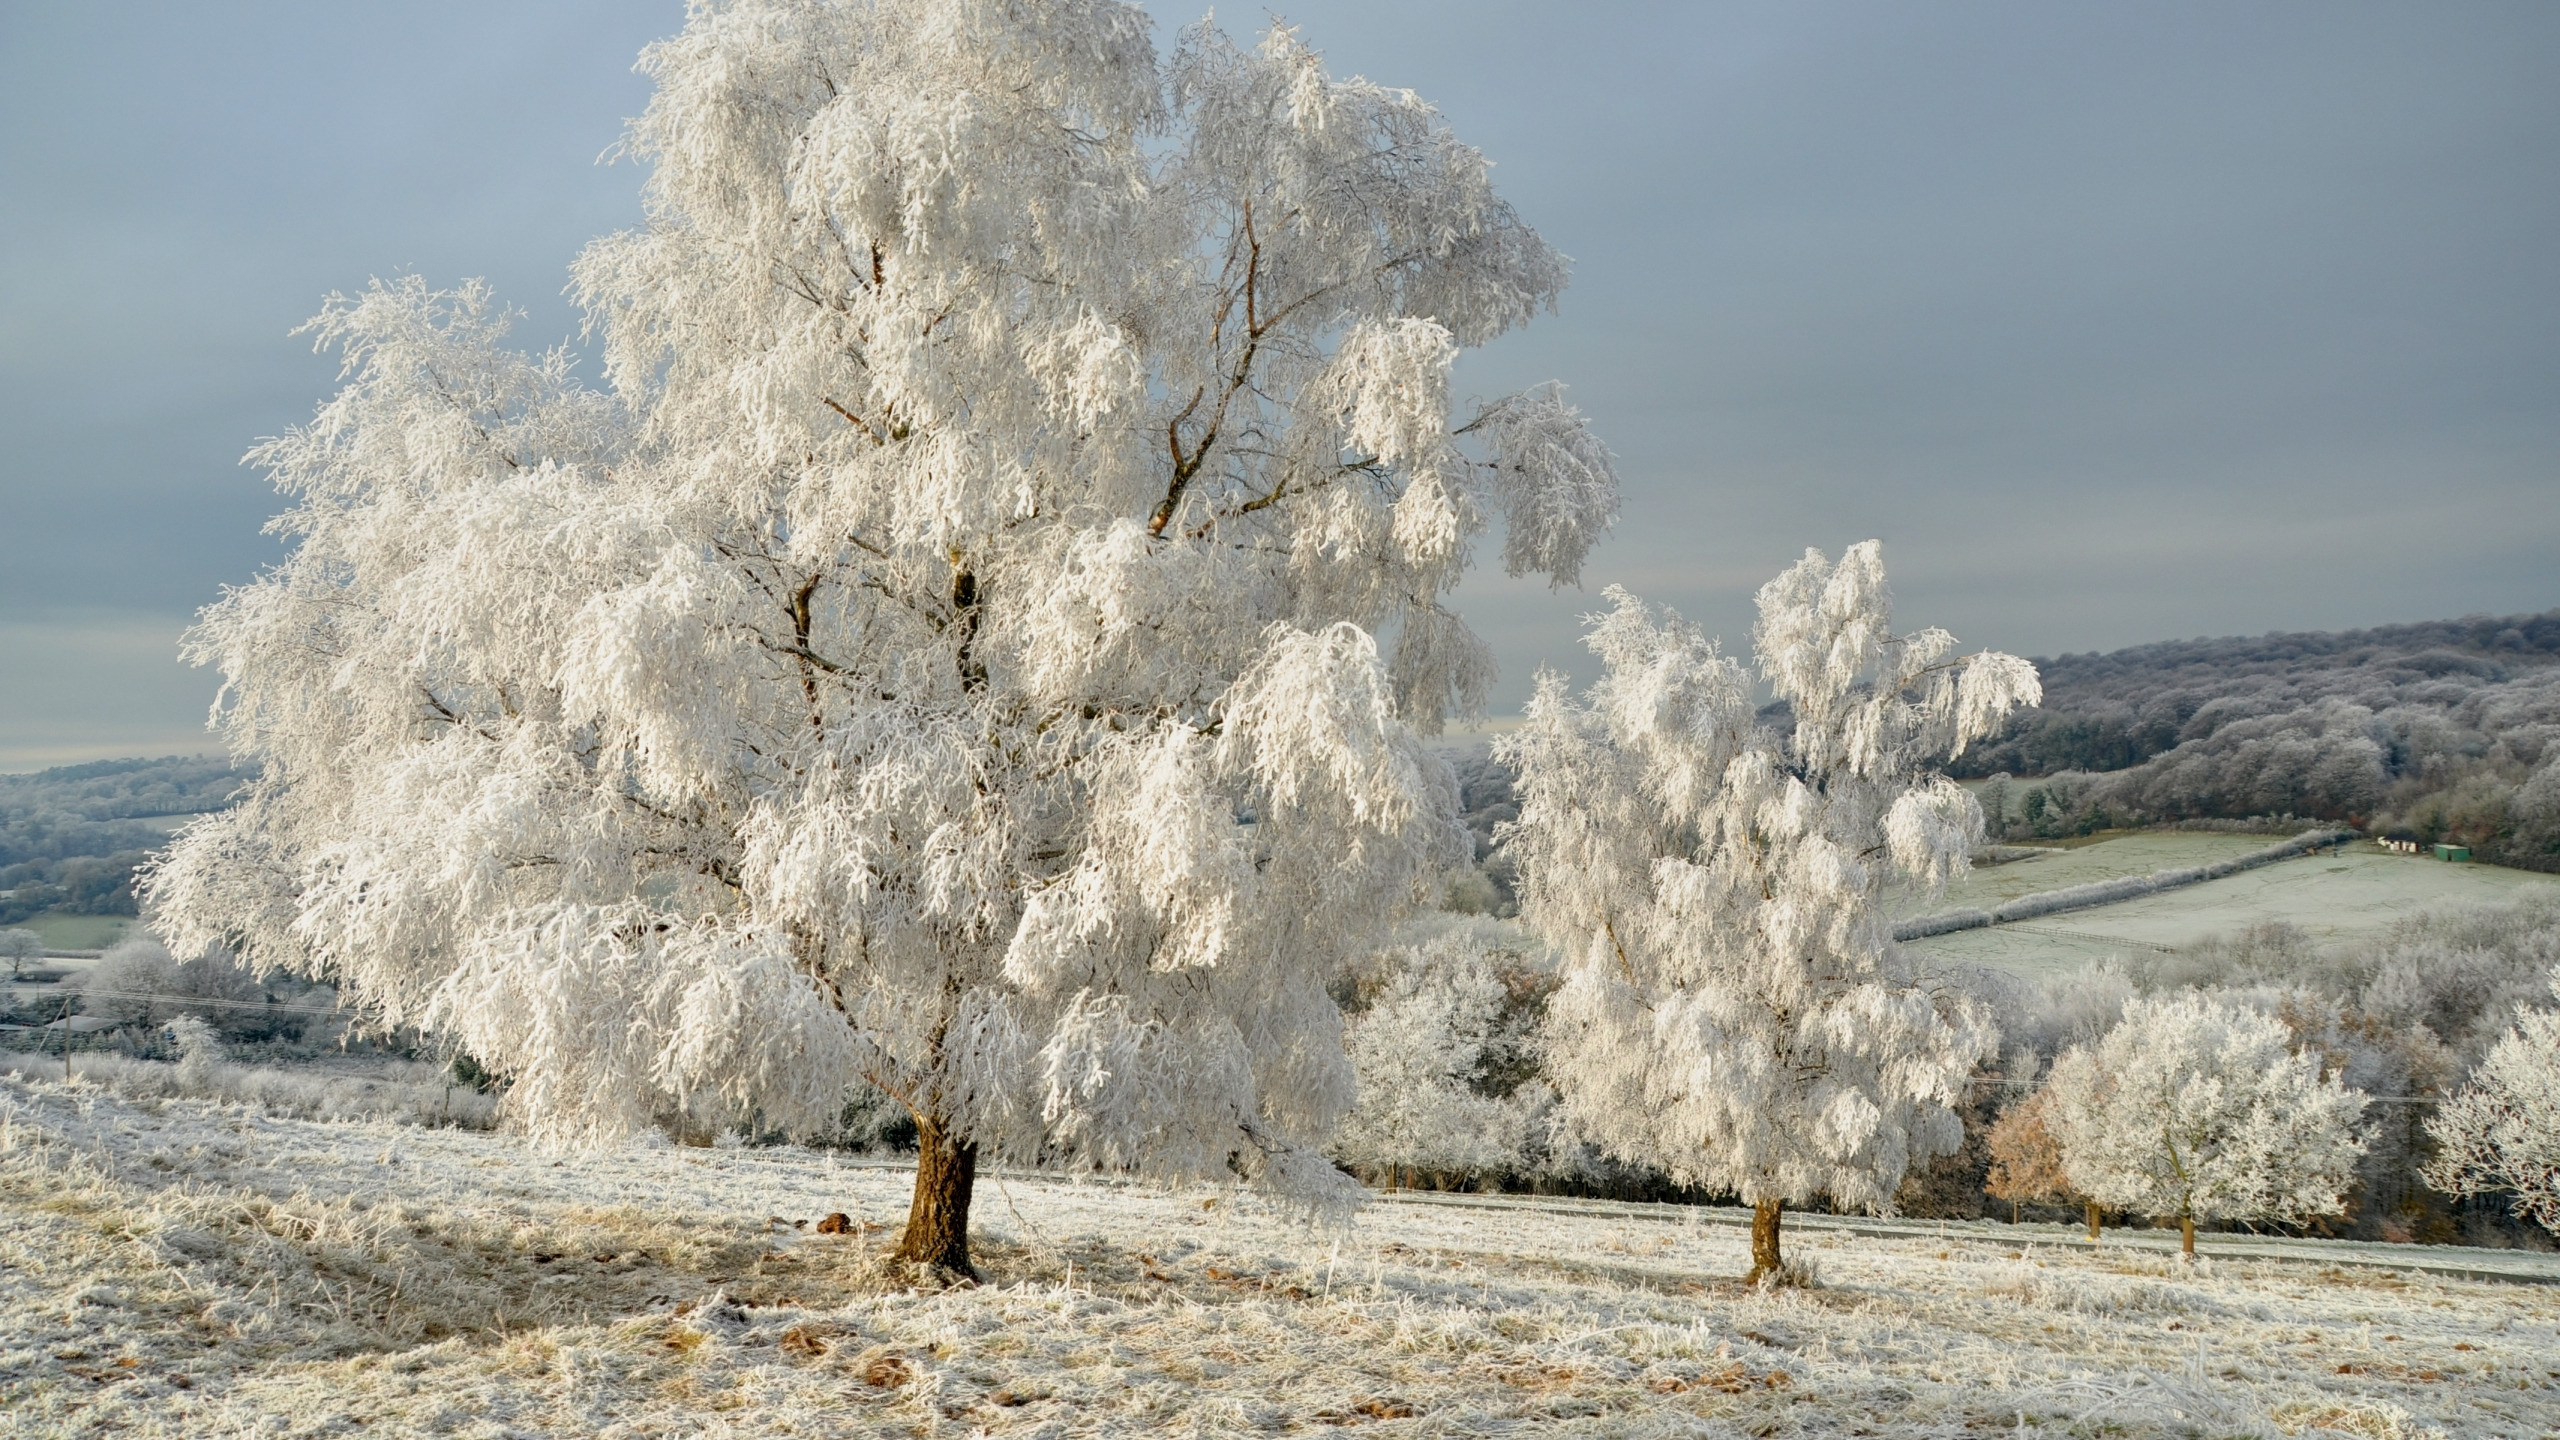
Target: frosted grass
x=276 y=1276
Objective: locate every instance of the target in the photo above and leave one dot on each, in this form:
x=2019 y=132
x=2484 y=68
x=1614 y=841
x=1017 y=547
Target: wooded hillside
x=70 y=836
x=2442 y=731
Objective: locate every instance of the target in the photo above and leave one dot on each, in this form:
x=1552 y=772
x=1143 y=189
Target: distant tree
x=976 y=650
x=131 y=982
x=1733 y=1008
x=2533 y=817
x=199 y=1052
x=20 y=946
x=2502 y=1133
x=1997 y=805
x=2196 y=1109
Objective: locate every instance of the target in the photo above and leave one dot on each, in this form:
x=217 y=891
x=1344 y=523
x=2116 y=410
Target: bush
x=138 y=982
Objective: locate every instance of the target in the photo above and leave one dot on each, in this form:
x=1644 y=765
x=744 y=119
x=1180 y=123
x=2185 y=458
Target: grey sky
x=2116 y=322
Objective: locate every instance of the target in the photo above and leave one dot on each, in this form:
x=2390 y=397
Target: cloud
x=92 y=685
x=2116 y=323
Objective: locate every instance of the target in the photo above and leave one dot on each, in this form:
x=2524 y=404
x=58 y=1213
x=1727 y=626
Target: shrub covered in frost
x=1436 y=1034
x=2198 y=1109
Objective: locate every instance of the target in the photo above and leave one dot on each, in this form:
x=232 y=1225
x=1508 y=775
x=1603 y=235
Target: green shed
x=2453 y=852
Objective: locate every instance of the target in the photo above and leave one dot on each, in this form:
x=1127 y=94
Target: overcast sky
x=2116 y=323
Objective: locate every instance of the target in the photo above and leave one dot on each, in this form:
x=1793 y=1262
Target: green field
x=77 y=932
x=2141 y=853
x=2334 y=898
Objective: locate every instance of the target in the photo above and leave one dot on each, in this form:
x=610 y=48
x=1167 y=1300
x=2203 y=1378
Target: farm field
x=77 y=932
x=187 y=1269
x=2339 y=897
x=2114 y=858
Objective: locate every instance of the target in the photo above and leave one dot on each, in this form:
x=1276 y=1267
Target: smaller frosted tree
x=131 y=982
x=2026 y=1161
x=2502 y=1133
x=199 y=1053
x=2198 y=1109
x=139 y=982
x=20 y=946
x=1733 y=1008
x=1426 y=1047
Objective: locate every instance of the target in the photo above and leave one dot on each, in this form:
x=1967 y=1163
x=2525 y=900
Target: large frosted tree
x=974 y=646
x=1734 y=1009
x=2195 y=1108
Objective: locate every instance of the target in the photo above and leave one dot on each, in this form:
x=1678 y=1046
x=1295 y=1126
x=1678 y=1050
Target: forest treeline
x=2443 y=731
x=70 y=836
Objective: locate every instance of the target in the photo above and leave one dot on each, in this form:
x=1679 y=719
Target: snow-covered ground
x=184 y=1268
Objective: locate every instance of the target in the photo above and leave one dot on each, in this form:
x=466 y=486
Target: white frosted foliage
x=1734 y=1010
x=2197 y=1108
x=2501 y=1135
x=976 y=645
x=1432 y=1026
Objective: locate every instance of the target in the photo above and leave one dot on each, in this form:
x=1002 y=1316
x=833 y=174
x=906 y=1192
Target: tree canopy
x=1733 y=1007
x=2501 y=1135
x=2197 y=1108
x=974 y=646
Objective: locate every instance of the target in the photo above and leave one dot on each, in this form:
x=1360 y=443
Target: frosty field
x=2339 y=897
x=190 y=1269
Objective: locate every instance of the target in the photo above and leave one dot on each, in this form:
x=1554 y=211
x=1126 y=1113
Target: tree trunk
x=2093 y=1219
x=1764 y=1239
x=2187 y=1236
x=938 y=1217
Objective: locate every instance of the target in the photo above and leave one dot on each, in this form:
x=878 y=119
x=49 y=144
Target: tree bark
x=2093 y=1219
x=1764 y=1239
x=2187 y=1236
x=938 y=1217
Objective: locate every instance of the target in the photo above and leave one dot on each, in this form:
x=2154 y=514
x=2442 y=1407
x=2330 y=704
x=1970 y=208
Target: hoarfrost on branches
x=974 y=648
x=1441 y=1030
x=2196 y=1108
x=1733 y=1008
x=2502 y=1133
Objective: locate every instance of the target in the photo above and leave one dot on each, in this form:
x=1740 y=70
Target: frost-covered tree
x=137 y=981
x=2502 y=1133
x=1437 y=1031
x=975 y=645
x=2195 y=1108
x=131 y=983
x=20 y=946
x=1733 y=1008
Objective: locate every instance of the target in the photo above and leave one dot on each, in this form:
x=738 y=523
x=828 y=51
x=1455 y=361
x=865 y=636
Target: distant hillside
x=70 y=836
x=2445 y=730
x=2115 y=710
